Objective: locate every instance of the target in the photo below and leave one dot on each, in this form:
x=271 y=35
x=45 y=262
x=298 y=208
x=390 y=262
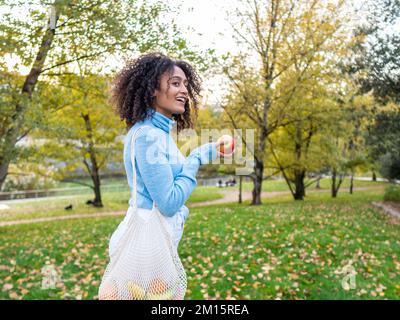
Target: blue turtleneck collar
x=161 y=121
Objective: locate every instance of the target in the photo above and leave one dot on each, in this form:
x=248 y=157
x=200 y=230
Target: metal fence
x=58 y=192
x=123 y=187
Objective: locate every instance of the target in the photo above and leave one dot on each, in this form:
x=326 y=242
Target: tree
x=282 y=36
x=85 y=132
x=349 y=152
x=303 y=148
x=384 y=140
x=358 y=113
x=76 y=31
x=375 y=64
x=376 y=68
x=42 y=103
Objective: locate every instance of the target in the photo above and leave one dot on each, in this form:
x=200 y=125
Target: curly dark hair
x=134 y=86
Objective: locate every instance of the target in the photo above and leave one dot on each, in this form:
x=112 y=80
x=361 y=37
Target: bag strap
x=134 y=184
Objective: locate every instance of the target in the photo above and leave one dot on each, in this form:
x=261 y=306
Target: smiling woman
x=151 y=94
x=154 y=82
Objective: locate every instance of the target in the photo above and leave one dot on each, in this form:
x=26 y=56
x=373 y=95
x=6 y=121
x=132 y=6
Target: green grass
x=113 y=201
x=325 y=184
x=283 y=249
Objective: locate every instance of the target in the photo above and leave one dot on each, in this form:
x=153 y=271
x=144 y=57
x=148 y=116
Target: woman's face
x=172 y=96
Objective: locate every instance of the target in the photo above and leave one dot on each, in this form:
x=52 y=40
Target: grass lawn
x=280 y=185
x=113 y=201
x=282 y=249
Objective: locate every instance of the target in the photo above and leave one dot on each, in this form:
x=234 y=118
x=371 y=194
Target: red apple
x=228 y=145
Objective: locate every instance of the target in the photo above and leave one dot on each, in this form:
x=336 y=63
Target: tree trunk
x=97 y=191
x=351 y=182
x=318 y=184
x=373 y=175
x=258 y=163
x=240 y=189
x=336 y=186
x=298 y=173
x=11 y=135
x=299 y=185
x=3 y=170
x=93 y=168
x=333 y=186
x=258 y=179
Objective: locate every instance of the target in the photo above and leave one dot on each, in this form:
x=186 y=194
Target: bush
x=390 y=166
x=392 y=193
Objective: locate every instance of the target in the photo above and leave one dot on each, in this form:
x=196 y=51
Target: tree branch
x=76 y=59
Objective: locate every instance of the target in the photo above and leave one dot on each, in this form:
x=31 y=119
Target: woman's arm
x=169 y=193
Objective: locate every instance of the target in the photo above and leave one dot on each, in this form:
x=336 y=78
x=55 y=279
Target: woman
x=155 y=92
x=151 y=94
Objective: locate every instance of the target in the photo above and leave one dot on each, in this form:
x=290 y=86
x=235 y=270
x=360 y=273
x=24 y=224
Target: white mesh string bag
x=145 y=264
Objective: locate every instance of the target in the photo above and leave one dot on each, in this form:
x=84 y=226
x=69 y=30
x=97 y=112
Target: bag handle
x=134 y=184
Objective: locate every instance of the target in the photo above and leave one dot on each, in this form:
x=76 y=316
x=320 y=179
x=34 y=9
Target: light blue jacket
x=164 y=175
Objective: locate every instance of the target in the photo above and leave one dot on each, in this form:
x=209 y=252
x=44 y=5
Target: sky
x=211 y=21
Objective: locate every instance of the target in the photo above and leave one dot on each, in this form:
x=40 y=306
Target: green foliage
x=375 y=67
x=82 y=125
x=383 y=140
x=375 y=60
x=392 y=193
x=286 y=84
x=389 y=166
x=18 y=181
x=89 y=30
x=86 y=34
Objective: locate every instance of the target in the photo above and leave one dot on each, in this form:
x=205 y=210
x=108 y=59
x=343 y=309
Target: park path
x=229 y=196
x=389 y=208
